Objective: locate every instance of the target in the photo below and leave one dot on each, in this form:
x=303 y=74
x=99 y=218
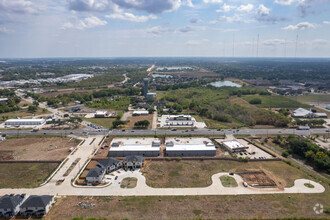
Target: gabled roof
x=134 y=159
x=37 y=201
x=11 y=201
x=95 y=172
x=109 y=162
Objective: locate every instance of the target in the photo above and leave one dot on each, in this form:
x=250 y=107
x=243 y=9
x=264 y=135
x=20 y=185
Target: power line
x=295 y=50
x=258 y=45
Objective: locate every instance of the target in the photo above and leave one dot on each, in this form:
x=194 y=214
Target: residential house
x=95 y=175
x=37 y=206
x=133 y=161
x=9 y=205
x=110 y=164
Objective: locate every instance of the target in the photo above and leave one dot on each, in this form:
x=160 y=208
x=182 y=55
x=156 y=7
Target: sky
x=164 y=28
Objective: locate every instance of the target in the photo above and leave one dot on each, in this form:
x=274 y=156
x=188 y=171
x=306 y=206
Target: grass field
x=36 y=148
x=228 y=181
x=24 y=175
x=191 y=173
x=312 y=98
x=275 y=102
x=213 y=124
x=193 y=207
x=104 y=122
x=129 y=183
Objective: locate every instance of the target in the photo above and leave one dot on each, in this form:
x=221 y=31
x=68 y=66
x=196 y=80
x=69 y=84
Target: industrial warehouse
x=18 y=122
x=189 y=147
x=121 y=147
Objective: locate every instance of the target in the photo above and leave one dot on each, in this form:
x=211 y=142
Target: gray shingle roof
x=134 y=159
x=10 y=201
x=95 y=172
x=37 y=201
x=109 y=162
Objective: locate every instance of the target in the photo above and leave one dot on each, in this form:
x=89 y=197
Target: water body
x=224 y=83
x=155 y=75
x=174 y=68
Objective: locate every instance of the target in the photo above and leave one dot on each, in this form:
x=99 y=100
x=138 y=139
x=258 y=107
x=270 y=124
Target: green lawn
x=104 y=122
x=228 y=181
x=24 y=175
x=312 y=98
x=275 y=101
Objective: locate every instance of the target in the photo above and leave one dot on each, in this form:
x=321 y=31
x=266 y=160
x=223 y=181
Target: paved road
x=169 y=132
x=142 y=189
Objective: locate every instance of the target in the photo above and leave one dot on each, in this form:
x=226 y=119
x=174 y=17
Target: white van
x=245 y=184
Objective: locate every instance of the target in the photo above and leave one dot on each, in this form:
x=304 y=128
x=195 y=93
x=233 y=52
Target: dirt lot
x=256 y=178
x=24 y=175
x=36 y=148
x=134 y=119
x=192 y=207
x=195 y=173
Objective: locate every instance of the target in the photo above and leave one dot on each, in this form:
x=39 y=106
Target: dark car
x=232 y=174
x=116 y=177
x=173 y=129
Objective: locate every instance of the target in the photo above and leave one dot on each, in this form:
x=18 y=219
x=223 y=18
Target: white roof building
x=143 y=112
x=24 y=122
x=301 y=113
x=234 y=145
x=121 y=147
x=189 y=147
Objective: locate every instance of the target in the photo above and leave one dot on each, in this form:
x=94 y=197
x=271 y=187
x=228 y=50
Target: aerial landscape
x=164 y=109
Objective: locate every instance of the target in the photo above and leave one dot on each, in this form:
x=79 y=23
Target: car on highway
x=173 y=129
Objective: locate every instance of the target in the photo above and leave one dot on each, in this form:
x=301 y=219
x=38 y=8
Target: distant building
x=3 y=100
x=145 y=88
x=37 y=206
x=133 y=161
x=101 y=114
x=137 y=113
x=234 y=146
x=180 y=120
x=151 y=95
x=17 y=122
x=303 y=113
x=189 y=147
x=9 y=205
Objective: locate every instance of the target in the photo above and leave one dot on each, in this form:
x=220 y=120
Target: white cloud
x=284 y=2
x=226 y=8
x=300 y=26
x=231 y=19
x=193 y=43
x=5 y=30
x=150 y=6
x=131 y=17
x=88 y=22
x=262 y=11
x=273 y=42
x=213 y=1
x=320 y=42
x=158 y=30
x=326 y=22
x=245 y=8
x=18 y=6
